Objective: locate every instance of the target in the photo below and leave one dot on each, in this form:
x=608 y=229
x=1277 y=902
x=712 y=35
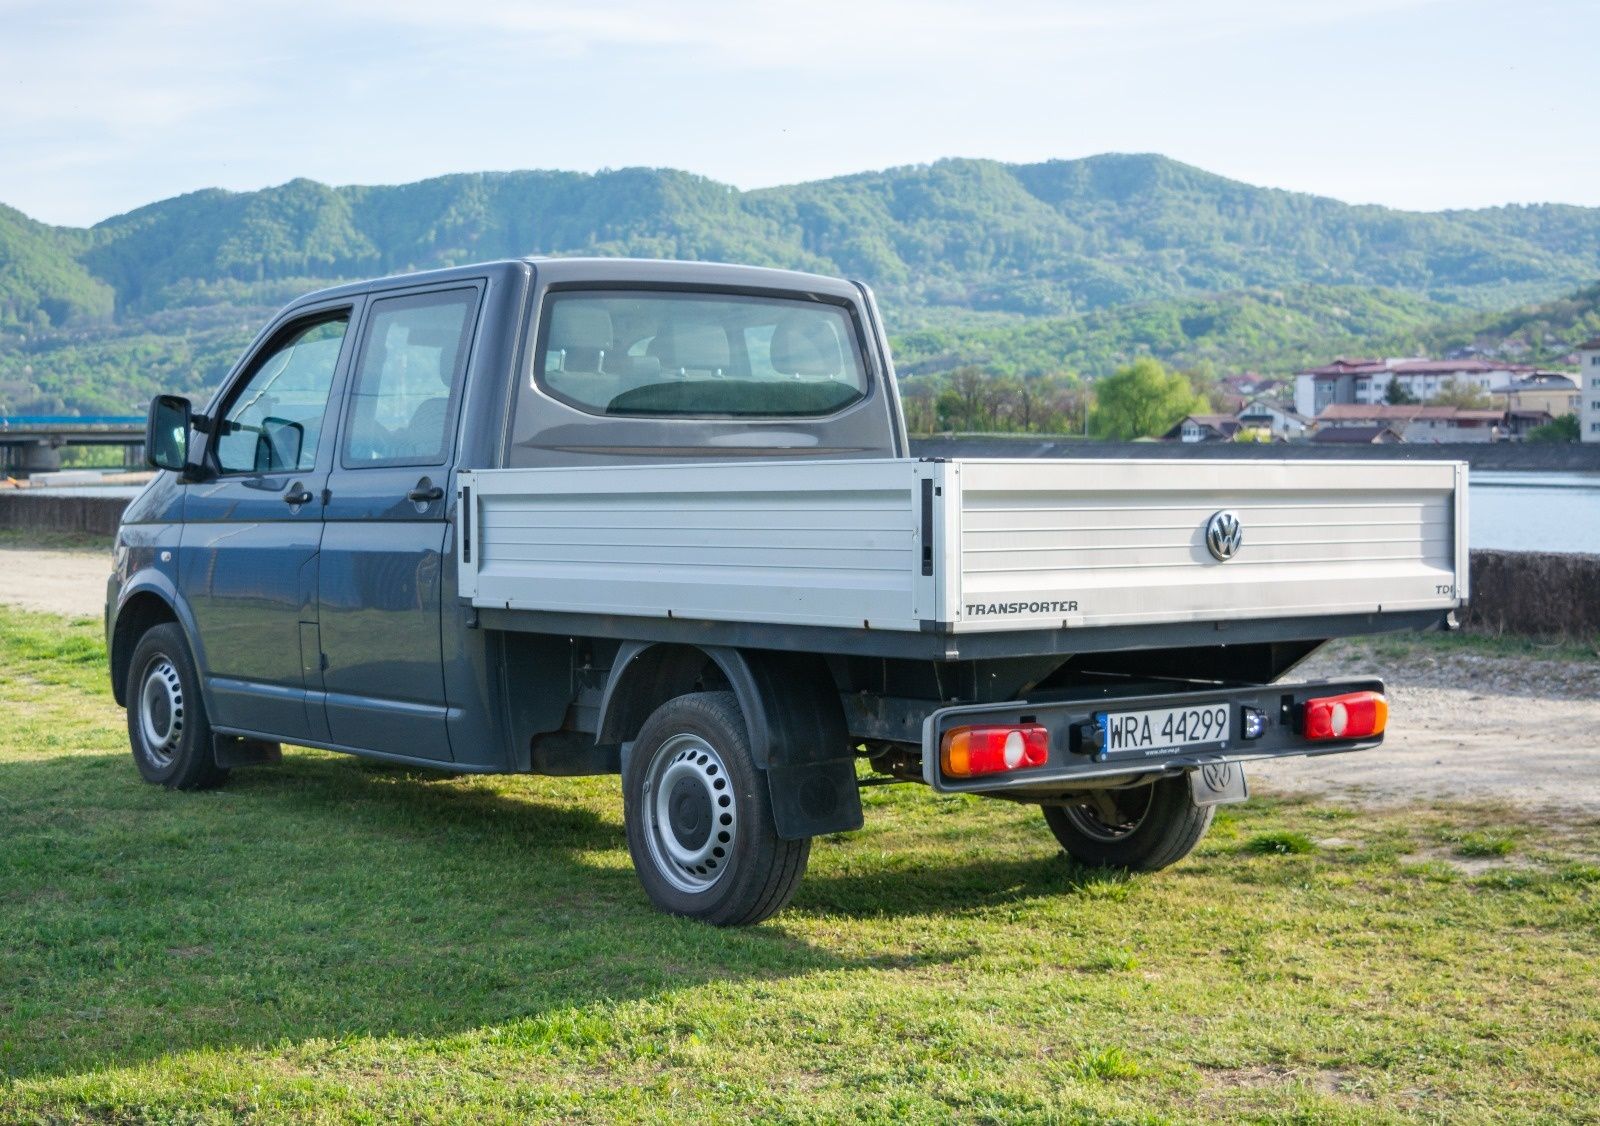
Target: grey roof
x=1539 y=381
x=1354 y=435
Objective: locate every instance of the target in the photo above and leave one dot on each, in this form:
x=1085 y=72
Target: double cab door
x=253 y=527
x=384 y=528
x=312 y=549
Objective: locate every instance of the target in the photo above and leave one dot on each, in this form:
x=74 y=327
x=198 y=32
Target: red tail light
x=966 y=751
x=1355 y=715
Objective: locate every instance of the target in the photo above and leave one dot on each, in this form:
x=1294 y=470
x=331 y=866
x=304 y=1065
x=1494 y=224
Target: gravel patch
x=1463 y=726
x=72 y=583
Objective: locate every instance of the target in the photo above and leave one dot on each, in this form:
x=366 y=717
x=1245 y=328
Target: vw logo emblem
x=1224 y=534
x=1217 y=776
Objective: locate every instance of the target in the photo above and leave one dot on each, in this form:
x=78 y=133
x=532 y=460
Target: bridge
x=33 y=443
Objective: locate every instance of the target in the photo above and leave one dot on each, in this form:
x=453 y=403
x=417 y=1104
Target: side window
x=275 y=419
x=408 y=377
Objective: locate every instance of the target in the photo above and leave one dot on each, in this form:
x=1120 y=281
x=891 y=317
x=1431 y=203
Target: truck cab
x=660 y=520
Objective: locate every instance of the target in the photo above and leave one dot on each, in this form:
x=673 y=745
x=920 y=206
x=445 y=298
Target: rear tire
x=167 y=725
x=699 y=817
x=1141 y=828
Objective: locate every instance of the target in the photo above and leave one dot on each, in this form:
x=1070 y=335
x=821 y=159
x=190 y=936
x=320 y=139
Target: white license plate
x=1166 y=729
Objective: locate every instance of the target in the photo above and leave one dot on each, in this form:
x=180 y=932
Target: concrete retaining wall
x=1535 y=593
x=94 y=515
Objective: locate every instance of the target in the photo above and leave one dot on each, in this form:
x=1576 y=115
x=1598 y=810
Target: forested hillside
x=1267 y=330
x=42 y=283
x=1271 y=331
x=1059 y=266
x=1541 y=333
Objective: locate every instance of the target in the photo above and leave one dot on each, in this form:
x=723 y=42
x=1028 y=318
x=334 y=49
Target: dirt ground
x=72 y=583
x=1462 y=725
x=1541 y=752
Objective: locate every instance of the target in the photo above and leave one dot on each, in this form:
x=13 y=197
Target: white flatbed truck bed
x=966 y=546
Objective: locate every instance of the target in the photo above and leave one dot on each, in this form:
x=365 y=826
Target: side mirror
x=278 y=445
x=166 y=432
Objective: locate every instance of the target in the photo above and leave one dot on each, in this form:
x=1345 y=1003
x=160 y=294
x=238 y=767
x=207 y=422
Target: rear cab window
x=661 y=354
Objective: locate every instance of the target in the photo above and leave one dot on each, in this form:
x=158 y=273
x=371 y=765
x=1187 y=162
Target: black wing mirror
x=278 y=445
x=166 y=432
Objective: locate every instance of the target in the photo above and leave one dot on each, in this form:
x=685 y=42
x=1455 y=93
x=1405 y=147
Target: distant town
x=1411 y=399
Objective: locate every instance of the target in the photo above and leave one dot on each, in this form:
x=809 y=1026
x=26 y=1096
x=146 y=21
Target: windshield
x=694 y=355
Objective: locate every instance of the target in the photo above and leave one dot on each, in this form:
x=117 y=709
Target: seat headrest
x=806 y=345
x=579 y=324
x=700 y=345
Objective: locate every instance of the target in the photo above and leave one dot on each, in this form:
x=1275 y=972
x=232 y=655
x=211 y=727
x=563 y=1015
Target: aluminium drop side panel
x=1028 y=545
x=808 y=543
x=1081 y=544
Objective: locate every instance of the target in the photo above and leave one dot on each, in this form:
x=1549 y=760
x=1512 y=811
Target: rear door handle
x=425 y=494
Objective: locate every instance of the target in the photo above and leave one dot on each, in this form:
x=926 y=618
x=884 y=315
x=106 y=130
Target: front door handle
x=425 y=493
x=297 y=495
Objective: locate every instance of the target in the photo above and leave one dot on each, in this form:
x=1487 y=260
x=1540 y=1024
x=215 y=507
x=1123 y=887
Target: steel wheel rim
x=1088 y=819
x=691 y=818
x=161 y=710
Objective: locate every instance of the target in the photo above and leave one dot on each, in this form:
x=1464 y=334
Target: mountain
x=1062 y=264
x=1060 y=236
x=41 y=279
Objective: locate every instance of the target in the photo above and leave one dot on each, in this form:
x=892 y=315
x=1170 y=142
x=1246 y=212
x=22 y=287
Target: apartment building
x=1367 y=382
x=1589 y=390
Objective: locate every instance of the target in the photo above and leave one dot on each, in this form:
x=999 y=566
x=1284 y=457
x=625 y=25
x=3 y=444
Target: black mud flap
x=812 y=798
x=798 y=736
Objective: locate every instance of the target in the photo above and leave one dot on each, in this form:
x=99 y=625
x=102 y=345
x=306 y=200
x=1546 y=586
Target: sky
x=1421 y=104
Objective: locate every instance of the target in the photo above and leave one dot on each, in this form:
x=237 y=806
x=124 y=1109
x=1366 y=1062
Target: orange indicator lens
x=966 y=751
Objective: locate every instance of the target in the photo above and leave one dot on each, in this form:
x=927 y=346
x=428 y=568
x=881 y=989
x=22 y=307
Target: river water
x=1508 y=510
x=1535 y=511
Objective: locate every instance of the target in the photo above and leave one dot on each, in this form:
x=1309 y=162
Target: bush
x=1563 y=429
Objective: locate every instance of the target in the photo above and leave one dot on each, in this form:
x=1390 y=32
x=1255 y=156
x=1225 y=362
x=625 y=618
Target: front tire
x=699 y=817
x=167 y=725
x=1140 y=828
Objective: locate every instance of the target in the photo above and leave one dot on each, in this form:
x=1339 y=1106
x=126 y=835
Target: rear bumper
x=1075 y=763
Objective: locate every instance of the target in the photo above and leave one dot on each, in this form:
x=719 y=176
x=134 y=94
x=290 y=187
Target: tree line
x=1143 y=399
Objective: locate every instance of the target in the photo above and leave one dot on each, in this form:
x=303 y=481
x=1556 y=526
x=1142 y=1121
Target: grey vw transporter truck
x=661 y=520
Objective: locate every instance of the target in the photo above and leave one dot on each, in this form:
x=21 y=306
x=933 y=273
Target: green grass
x=1480 y=843
x=1282 y=842
x=327 y=940
x=55 y=541
x=1401 y=646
